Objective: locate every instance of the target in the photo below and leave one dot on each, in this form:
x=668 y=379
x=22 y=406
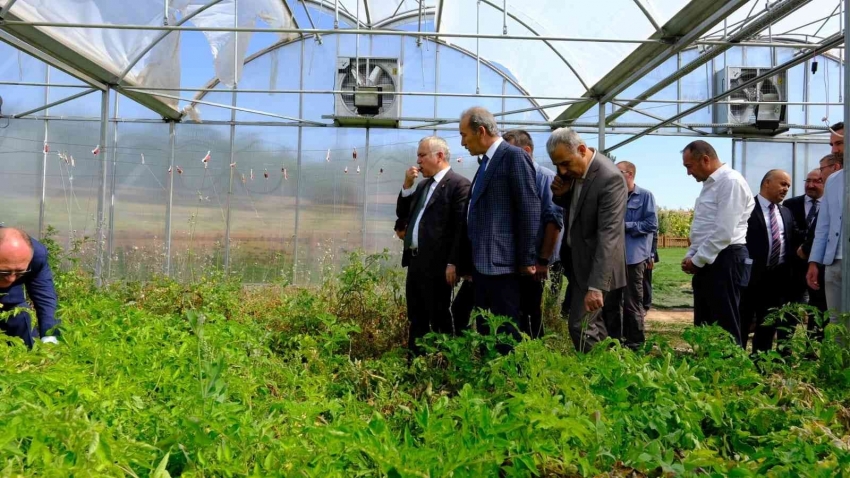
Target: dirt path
x=671 y=316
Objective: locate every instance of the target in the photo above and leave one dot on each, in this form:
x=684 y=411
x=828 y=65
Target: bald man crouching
x=23 y=264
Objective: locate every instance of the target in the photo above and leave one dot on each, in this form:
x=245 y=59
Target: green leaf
x=160 y=471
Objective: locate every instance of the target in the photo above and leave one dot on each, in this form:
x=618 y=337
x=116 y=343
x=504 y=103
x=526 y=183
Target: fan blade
x=375 y=75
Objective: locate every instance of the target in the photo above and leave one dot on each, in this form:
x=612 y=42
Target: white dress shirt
x=414 y=240
x=577 y=185
x=765 y=210
x=720 y=215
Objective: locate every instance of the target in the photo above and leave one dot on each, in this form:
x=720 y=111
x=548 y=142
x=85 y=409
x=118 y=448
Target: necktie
x=481 y=169
x=776 y=238
x=420 y=204
x=813 y=213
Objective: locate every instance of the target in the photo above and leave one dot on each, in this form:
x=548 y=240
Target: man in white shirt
x=827 y=245
x=432 y=213
x=718 y=256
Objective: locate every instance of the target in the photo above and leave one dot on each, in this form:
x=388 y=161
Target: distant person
x=548 y=240
x=770 y=230
x=827 y=245
x=23 y=265
x=718 y=257
x=433 y=211
x=593 y=193
x=625 y=312
x=804 y=209
x=647 y=276
x=503 y=219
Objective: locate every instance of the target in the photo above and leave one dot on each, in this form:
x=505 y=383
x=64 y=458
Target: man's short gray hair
x=436 y=144
x=565 y=136
x=478 y=117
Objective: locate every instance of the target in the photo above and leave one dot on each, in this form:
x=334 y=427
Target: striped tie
x=776 y=238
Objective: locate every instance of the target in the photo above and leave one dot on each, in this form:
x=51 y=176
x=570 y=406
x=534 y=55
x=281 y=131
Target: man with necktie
x=503 y=219
x=804 y=209
x=433 y=211
x=769 y=242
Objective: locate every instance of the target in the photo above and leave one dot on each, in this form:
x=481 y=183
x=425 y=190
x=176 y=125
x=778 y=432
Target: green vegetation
x=215 y=379
x=675 y=222
x=671 y=288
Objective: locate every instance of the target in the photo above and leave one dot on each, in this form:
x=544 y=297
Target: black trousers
x=18 y=325
x=428 y=301
x=717 y=290
x=757 y=301
x=500 y=294
x=624 y=312
x=530 y=306
x=647 y=289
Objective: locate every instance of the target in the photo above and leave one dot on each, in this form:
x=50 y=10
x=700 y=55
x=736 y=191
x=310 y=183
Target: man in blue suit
x=503 y=219
x=23 y=263
x=826 y=248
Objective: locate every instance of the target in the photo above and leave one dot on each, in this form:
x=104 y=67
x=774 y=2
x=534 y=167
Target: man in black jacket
x=769 y=242
x=432 y=213
x=804 y=209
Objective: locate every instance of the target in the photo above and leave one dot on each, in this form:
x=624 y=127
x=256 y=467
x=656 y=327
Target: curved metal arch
x=215 y=81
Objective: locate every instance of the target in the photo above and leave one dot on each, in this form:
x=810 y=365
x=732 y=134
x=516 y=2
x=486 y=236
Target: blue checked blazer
x=504 y=213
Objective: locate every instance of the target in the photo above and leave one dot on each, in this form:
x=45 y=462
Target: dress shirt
x=414 y=240
x=576 y=191
x=490 y=152
x=641 y=225
x=720 y=215
x=551 y=213
x=765 y=209
x=807 y=205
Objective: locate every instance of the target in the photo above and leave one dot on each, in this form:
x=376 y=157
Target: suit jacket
x=758 y=230
x=803 y=236
x=504 y=213
x=828 y=230
x=39 y=287
x=597 y=234
x=441 y=226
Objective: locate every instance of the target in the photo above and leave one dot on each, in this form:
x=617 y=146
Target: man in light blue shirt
x=548 y=238
x=625 y=312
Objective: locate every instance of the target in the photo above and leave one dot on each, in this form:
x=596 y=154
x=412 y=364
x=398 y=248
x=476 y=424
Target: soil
x=671 y=316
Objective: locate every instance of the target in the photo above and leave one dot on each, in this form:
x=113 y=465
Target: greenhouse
x=218 y=183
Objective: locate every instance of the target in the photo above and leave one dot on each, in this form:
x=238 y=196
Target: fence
x=669 y=241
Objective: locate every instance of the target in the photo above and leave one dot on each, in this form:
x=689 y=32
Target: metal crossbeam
x=57 y=102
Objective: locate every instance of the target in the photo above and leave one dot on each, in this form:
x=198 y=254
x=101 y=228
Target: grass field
x=671 y=287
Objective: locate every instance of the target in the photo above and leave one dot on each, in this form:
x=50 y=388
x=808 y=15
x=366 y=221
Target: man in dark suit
x=503 y=219
x=433 y=212
x=804 y=210
x=23 y=265
x=593 y=193
x=769 y=243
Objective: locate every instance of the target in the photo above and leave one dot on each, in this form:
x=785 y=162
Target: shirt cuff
x=408 y=192
x=593 y=289
x=49 y=340
x=698 y=261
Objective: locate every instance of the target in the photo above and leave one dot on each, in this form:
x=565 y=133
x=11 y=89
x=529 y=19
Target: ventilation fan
x=365 y=82
x=746 y=110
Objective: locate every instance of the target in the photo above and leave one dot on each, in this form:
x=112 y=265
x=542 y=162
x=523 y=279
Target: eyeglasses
x=14 y=273
x=814 y=181
x=824 y=167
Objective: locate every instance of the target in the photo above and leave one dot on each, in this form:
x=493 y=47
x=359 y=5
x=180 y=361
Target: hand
x=801 y=254
x=49 y=340
x=559 y=186
x=409 y=176
x=451 y=275
x=688 y=266
x=528 y=270
x=812 y=276
x=542 y=273
x=401 y=233
x=593 y=301
x=650 y=264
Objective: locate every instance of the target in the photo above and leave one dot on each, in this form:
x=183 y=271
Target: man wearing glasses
x=23 y=264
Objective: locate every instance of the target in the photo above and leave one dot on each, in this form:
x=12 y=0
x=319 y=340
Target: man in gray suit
x=593 y=193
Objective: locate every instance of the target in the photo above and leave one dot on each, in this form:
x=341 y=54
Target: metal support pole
x=172 y=136
x=298 y=169
x=601 y=145
x=679 y=86
x=477 y=49
x=101 y=197
x=436 y=81
x=734 y=156
x=794 y=169
x=364 y=219
x=336 y=14
x=44 y=157
x=845 y=228
x=111 y=237
x=744 y=158
x=55 y=103
x=504 y=90
x=419 y=39
x=504 y=17
x=232 y=138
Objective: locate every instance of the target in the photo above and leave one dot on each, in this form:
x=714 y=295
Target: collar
x=439 y=176
x=491 y=151
x=638 y=191
x=763 y=202
x=721 y=171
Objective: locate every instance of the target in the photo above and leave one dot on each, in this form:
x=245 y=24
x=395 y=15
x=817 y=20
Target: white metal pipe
x=6 y=8
x=232 y=141
x=101 y=196
x=114 y=153
x=336 y=14
x=172 y=133
x=601 y=132
x=55 y=103
x=28 y=83
x=298 y=168
x=504 y=17
x=477 y=47
x=44 y=156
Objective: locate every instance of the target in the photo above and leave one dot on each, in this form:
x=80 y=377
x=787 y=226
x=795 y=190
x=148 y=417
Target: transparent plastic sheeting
x=380 y=11
x=114 y=50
